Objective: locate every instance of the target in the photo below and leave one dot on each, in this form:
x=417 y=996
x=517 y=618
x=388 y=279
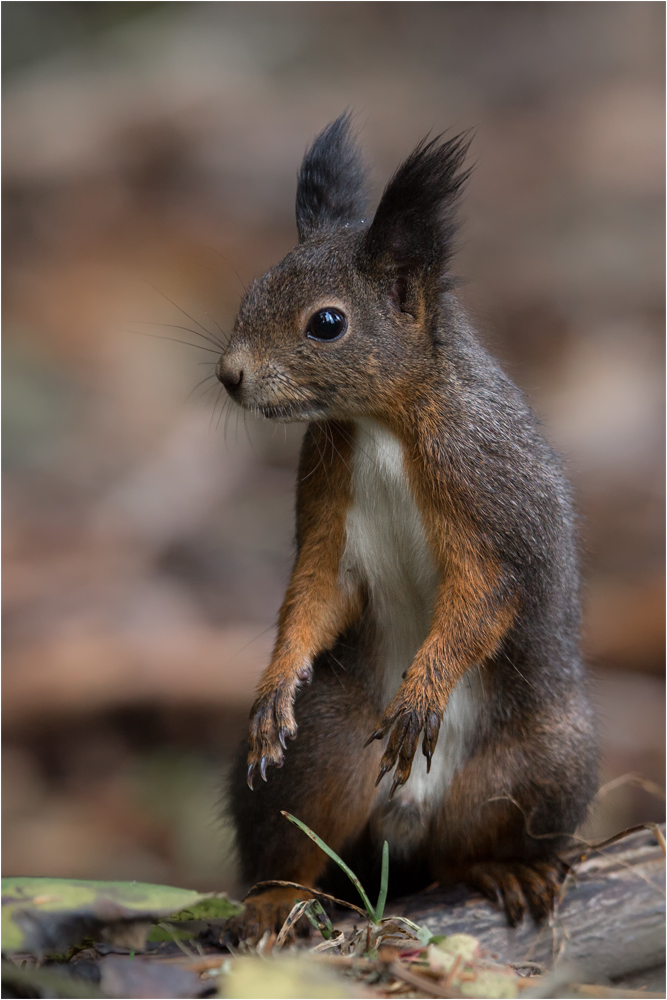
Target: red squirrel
x=427 y=664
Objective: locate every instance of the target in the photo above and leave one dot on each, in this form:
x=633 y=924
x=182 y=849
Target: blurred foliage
x=184 y=792
x=34 y=31
x=39 y=406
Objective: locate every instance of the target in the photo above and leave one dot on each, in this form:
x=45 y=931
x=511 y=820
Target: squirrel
x=434 y=597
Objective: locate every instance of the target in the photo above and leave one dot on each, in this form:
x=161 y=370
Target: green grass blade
x=339 y=861
x=384 y=883
x=319 y=919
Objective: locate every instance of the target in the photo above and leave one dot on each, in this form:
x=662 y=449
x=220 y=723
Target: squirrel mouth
x=288 y=414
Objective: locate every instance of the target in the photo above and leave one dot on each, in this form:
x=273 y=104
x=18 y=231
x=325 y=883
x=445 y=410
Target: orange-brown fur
x=315 y=609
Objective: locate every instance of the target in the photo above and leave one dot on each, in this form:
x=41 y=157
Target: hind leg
x=499 y=859
x=509 y=812
x=327 y=781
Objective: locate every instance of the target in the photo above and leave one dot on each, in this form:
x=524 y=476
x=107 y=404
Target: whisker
x=221 y=398
x=175 y=340
x=194 y=388
x=232 y=267
x=321 y=461
x=214 y=320
x=209 y=338
x=180 y=309
x=329 y=432
x=334 y=669
x=354 y=441
x=519 y=672
x=226 y=426
x=247 y=432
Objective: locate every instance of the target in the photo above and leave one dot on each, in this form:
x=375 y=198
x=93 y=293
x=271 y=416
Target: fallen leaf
x=43 y=915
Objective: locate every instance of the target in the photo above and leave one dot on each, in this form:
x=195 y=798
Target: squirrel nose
x=231 y=377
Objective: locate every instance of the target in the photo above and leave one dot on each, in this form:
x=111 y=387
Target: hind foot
x=517 y=886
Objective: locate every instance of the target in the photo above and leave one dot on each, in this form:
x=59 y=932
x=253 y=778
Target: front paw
x=406 y=721
x=272 y=722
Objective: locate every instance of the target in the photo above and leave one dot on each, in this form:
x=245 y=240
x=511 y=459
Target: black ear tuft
x=330 y=191
x=414 y=225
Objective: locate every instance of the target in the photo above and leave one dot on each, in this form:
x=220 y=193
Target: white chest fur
x=387 y=550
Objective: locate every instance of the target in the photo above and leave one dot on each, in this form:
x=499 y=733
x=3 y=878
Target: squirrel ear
x=331 y=183
x=414 y=224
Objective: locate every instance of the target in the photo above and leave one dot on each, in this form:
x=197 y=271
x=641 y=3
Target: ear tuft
x=414 y=225
x=331 y=182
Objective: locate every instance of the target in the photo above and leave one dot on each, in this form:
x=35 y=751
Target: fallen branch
x=609 y=922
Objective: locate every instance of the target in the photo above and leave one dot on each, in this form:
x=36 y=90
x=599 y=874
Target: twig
x=452 y=972
x=315 y=893
x=659 y=836
x=422 y=983
x=631 y=778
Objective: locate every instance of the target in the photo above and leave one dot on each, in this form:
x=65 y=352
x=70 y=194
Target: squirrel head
x=349 y=319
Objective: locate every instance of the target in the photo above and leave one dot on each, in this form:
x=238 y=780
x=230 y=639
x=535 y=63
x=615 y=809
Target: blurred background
x=150 y=158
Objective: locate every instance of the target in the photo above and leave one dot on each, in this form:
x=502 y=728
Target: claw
x=429 y=757
x=377 y=735
x=281 y=737
x=262 y=768
x=397 y=784
x=383 y=771
x=251 y=775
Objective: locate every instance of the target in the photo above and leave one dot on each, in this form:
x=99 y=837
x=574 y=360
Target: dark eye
x=326 y=324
